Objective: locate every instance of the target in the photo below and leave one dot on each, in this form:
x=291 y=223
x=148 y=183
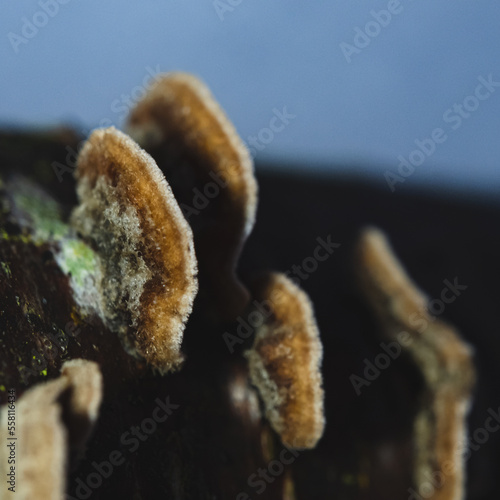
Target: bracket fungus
x=211 y=173
x=442 y=357
x=129 y=215
x=284 y=363
x=51 y=420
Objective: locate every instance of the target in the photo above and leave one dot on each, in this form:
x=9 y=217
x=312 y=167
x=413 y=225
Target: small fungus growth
x=285 y=363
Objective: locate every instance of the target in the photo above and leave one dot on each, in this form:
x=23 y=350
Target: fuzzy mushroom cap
x=211 y=173
x=130 y=217
x=443 y=358
x=285 y=363
x=51 y=419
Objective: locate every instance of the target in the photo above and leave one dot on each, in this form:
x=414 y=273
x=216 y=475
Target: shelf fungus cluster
x=101 y=284
x=131 y=249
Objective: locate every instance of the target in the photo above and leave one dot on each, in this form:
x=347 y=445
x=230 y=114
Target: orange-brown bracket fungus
x=211 y=173
x=285 y=361
x=445 y=362
x=128 y=214
x=50 y=420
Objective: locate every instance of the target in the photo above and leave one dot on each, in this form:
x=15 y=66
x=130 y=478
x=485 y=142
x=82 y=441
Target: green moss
x=77 y=259
x=6 y=269
x=41 y=221
x=43 y=211
x=23 y=238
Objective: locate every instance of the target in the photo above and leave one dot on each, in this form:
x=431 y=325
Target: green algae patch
x=83 y=267
x=6 y=269
x=78 y=259
x=42 y=222
x=44 y=212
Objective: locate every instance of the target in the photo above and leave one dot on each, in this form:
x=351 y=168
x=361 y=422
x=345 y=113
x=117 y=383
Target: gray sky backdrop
x=354 y=113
